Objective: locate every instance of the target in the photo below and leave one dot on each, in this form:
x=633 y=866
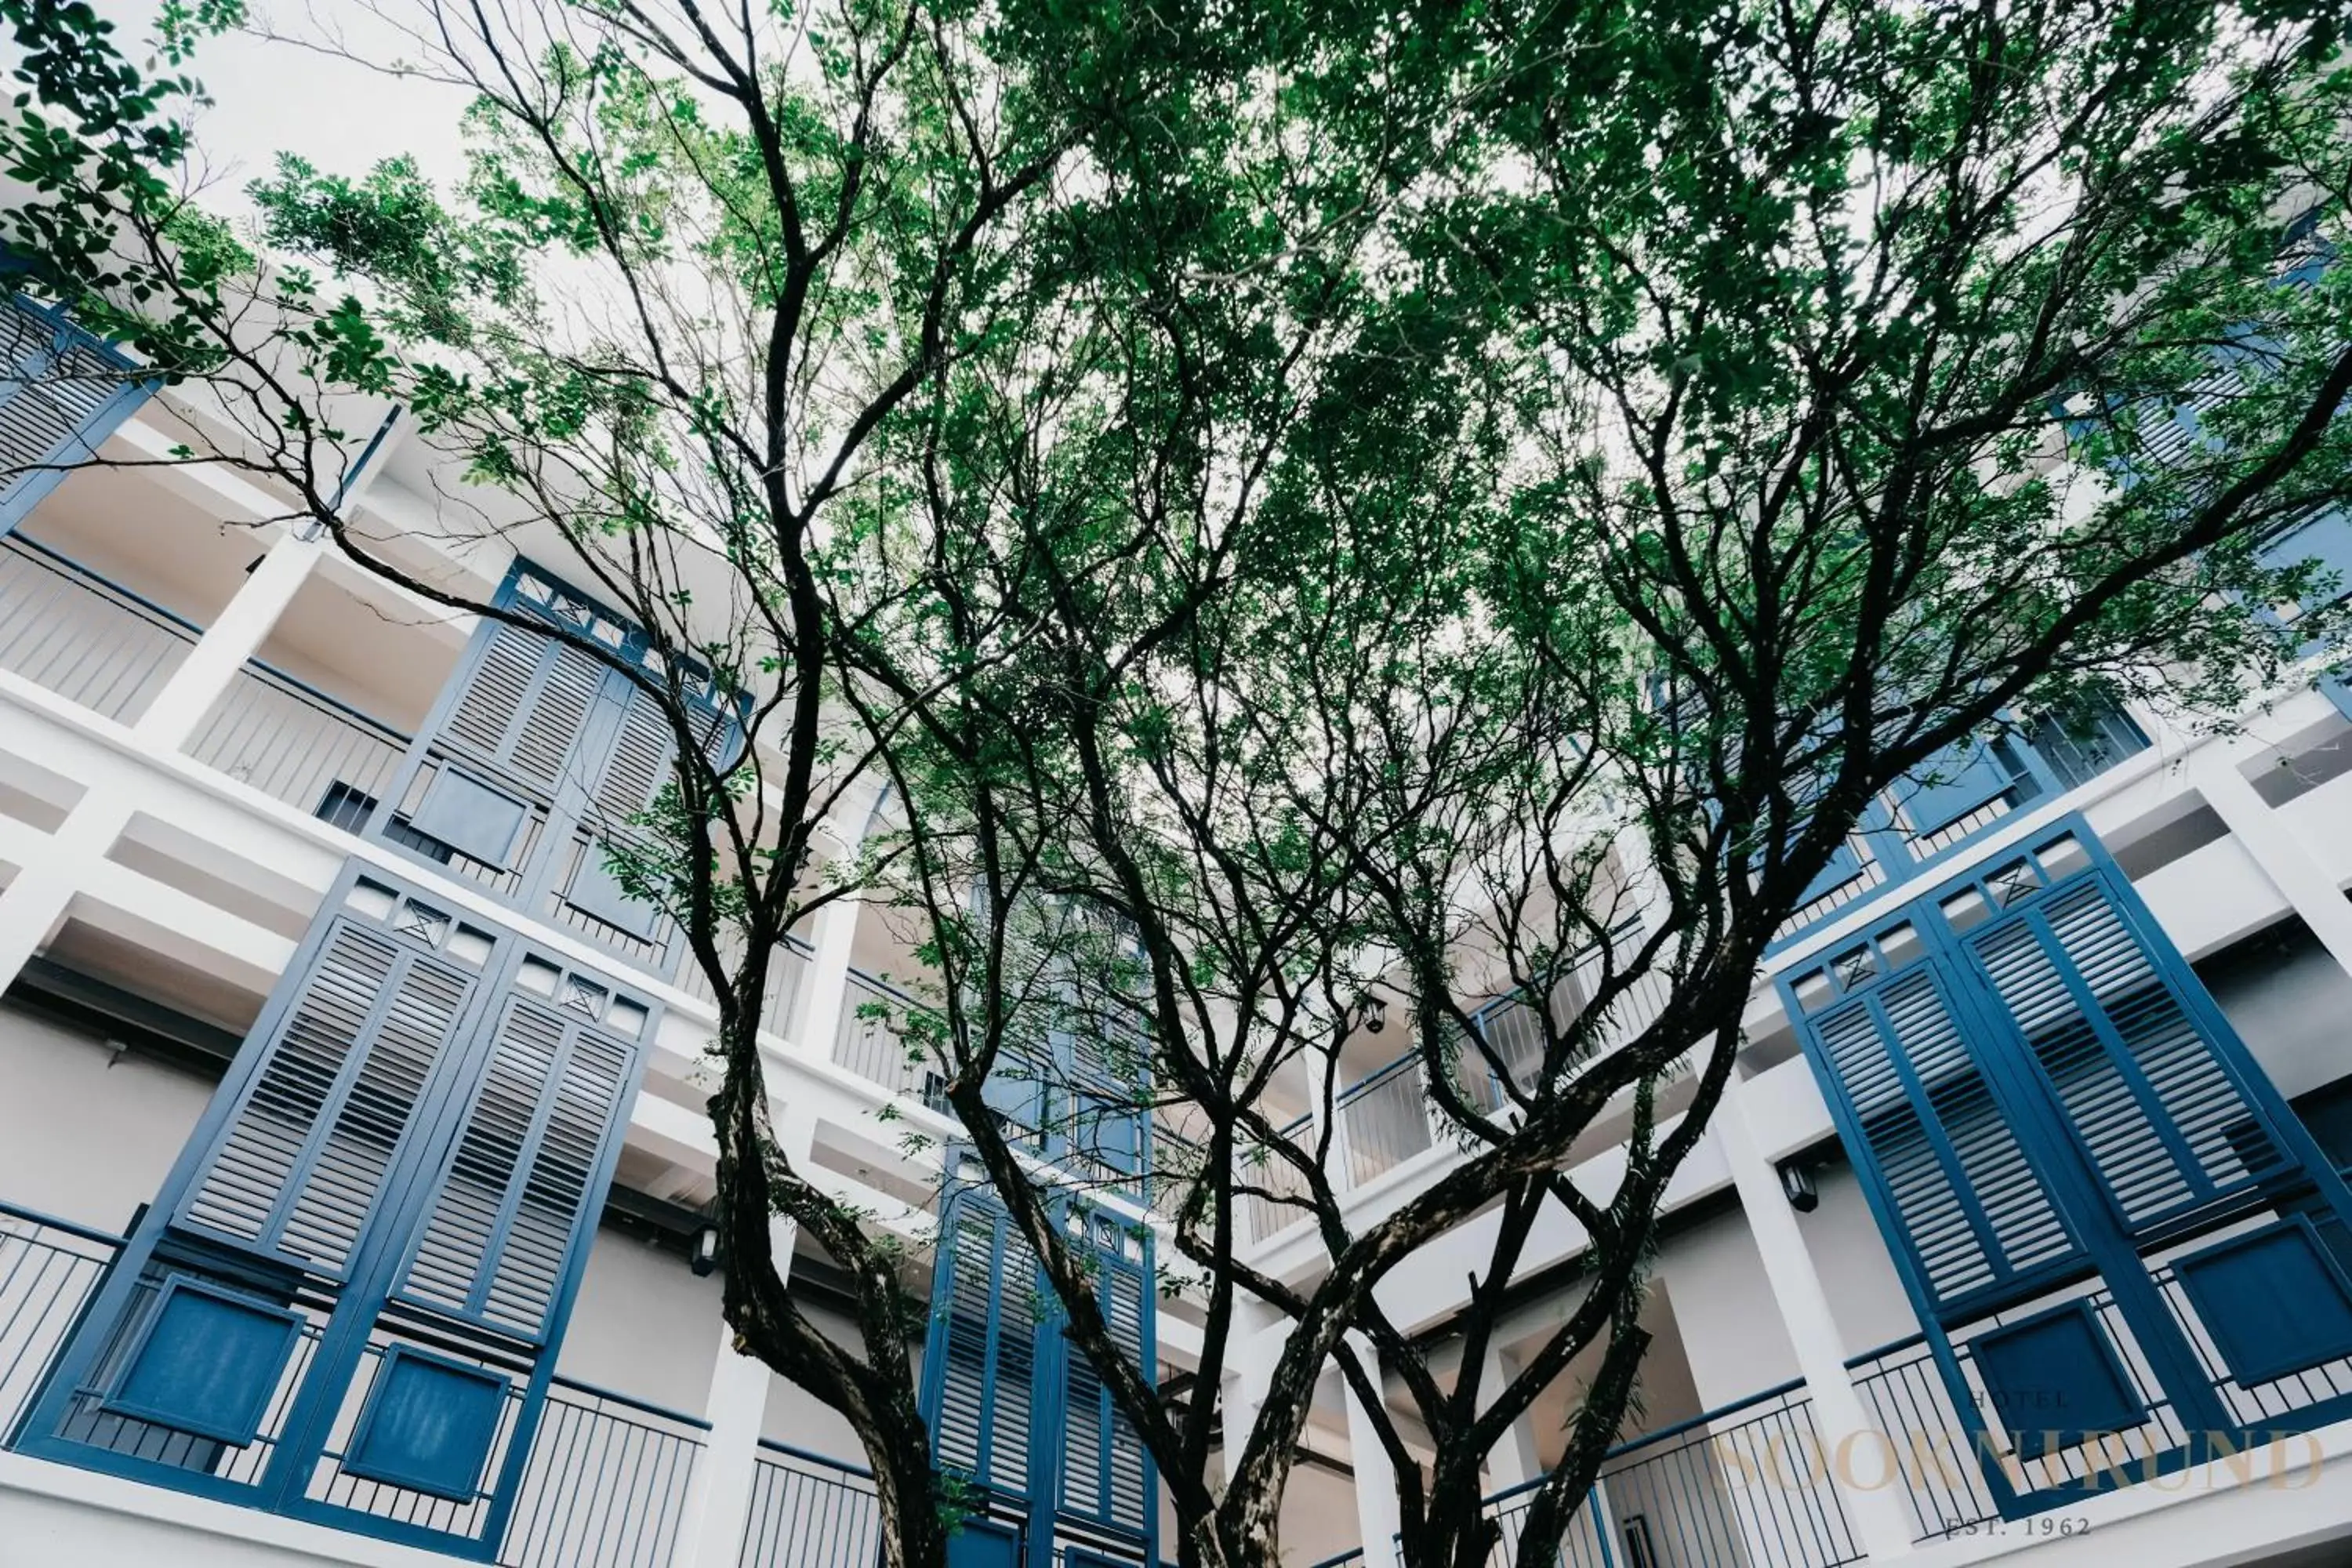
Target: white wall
x=643 y=1325
x=1318 y=1517
x=84 y=1134
x=798 y=1418
x=2292 y=1004
x=1722 y=1301
x=1866 y=1296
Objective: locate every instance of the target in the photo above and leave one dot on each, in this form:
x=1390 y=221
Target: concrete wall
x=644 y=1325
x=1318 y=1517
x=798 y=1418
x=87 y=1134
x=1714 y=1277
x=1866 y=1295
x=2290 y=1001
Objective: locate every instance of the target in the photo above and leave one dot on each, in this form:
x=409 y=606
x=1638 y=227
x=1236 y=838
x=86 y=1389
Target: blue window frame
x=207 y=1362
x=428 y=1423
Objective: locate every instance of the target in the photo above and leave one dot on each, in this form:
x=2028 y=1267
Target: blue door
x=2125 y=1250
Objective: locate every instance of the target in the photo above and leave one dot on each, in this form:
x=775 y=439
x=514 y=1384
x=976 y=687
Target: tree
x=1750 y=408
x=1338 y=504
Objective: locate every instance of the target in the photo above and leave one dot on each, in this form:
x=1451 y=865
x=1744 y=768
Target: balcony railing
x=1743 y=1485
x=1384 y=1121
x=1276 y=1178
x=608 y=1477
x=90 y=641
x=779 y=1001
x=865 y=1043
x=1903 y=1391
x=296 y=743
x=606 y=1484
x=808 y=1511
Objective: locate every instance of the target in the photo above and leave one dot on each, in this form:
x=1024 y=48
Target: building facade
x=353 y=1165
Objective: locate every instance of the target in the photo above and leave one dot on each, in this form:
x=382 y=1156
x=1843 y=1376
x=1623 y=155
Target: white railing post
x=206 y=675
x=1840 y=1420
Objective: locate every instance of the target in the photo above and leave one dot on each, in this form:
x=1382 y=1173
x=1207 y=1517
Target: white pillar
x=1512 y=1461
x=2266 y=837
x=819 y=1030
x=31 y=905
x=711 y=1535
x=1378 y=1514
x=222 y=651
x=1880 y=1520
x=719 y=1501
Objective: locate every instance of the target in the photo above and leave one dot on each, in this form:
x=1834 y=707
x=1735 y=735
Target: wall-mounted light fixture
x=1797 y=1186
x=1372 y=1012
x=704 y=1259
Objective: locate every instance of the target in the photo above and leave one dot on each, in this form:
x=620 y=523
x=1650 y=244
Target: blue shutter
x=62 y=394
x=1950 y=785
x=525 y=706
x=311 y=1137
x=1107 y=1475
x=1973 y=1212
x=981 y=1360
x=2166 y=1123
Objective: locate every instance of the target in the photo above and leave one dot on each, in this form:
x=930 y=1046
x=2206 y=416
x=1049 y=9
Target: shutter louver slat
x=525 y=706
x=335 y=1094
x=638 y=766
x=1932 y=1193
x=48 y=397
x=2210 y=1140
x=508 y=1213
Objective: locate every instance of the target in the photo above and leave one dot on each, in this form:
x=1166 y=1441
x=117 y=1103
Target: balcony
x=609 y=1478
x=1743 y=1485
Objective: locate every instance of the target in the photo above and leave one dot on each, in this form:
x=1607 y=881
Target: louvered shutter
x=637 y=765
x=60 y=396
x=526 y=704
x=984 y=1341
x=1106 y=1474
x=1972 y=1211
x=301 y=1162
x=517 y=1192
x=2162 y=1122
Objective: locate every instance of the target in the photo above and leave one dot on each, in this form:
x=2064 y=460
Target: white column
x=819 y=1030
x=31 y=905
x=231 y=640
x=711 y=1535
x=1512 y=1461
x=719 y=1499
x=1378 y=1514
x=2266 y=837
x=1878 y=1516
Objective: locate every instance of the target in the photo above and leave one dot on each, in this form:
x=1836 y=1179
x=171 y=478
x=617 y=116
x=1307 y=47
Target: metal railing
x=1746 y=1484
x=780 y=1000
x=90 y=641
x=607 y=1484
x=1903 y=1389
x=49 y=1268
x=1276 y=1178
x=1383 y=1120
x=1736 y=1488
x=865 y=1043
x=294 y=742
x=808 y=1511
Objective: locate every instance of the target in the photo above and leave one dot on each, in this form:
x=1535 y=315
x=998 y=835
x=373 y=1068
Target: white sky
x=273 y=96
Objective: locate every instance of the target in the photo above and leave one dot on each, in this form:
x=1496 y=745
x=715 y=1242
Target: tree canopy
x=1323 y=515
